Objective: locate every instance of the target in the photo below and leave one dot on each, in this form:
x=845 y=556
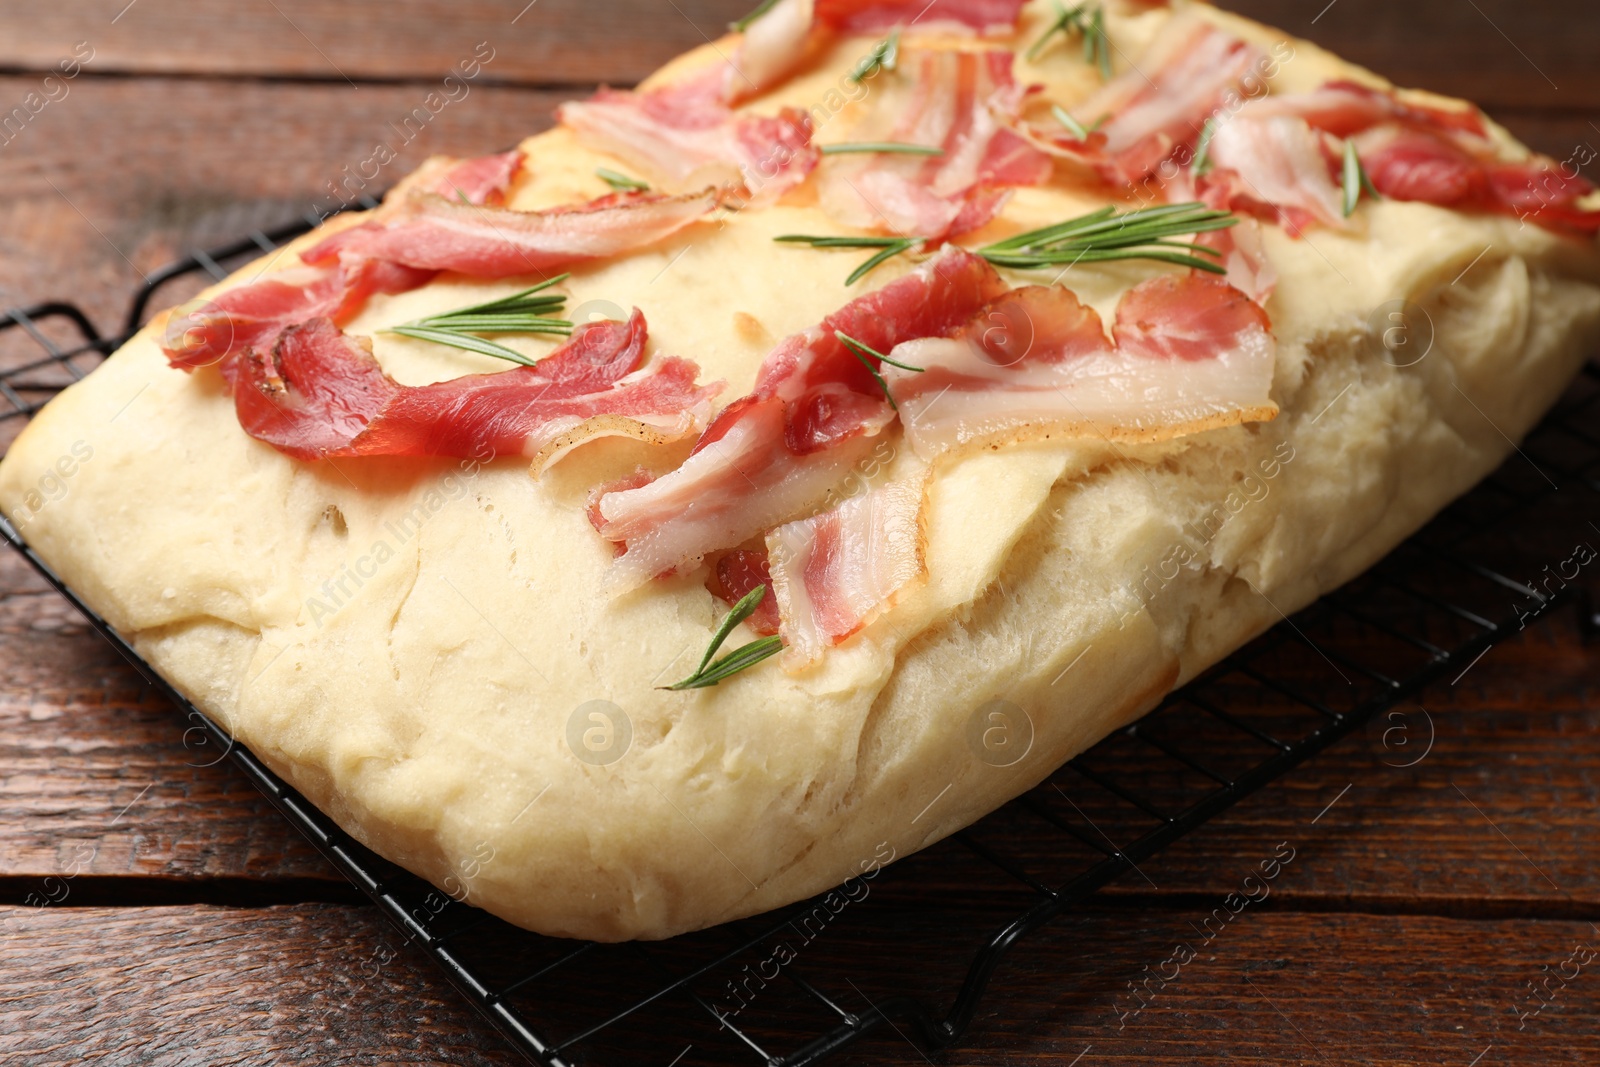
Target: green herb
x=708 y=673
x=1074 y=127
x=900 y=147
x=621 y=182
x=889 y=247
x=744 y=23
x=1355 y=180
x=1098 y=237
x=1091 y=24
x=1202 y=147
x=885 y=56
x=1096 y=45
x=1106 y=235
x=521 y=312
x=863 y=349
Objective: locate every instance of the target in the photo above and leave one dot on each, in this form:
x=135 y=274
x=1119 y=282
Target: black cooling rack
x=733 y=993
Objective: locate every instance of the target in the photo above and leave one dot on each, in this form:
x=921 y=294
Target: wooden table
x=189 y=925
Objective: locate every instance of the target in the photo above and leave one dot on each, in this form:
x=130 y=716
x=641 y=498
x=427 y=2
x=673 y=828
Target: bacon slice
x=735 y=575
x=685 y=137
x=1190 y=353
x=1277 y=168
x=318 y=393
x=1417 y=152
x=775 y=454
x=835 y=572
x=1186 y=75
x=962 y=102
x=252 y=315
x=879 y=16
x=1413 y=165
x=773 y=46
x=484 y=180
x=779 y=41
x=429 y=232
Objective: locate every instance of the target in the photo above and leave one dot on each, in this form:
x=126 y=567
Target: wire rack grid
x=1429 y=609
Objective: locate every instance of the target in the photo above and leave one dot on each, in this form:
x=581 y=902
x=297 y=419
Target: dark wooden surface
x=189 y=925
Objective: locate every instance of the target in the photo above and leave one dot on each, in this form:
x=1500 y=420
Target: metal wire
x=501 y=970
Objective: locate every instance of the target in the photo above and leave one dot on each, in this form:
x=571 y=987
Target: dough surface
x=420 y=647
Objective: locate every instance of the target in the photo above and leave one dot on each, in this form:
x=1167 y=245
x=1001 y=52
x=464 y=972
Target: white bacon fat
x=835 y=572
x=1189 y=353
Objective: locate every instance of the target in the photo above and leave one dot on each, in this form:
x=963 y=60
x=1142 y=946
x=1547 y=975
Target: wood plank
x=102 y=777
x=123 y=175
x=318 y=984
x=182 y=986
x=1503 y=53
x=549 y=42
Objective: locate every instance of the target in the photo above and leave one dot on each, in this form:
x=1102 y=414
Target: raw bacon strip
x=1276 y=168
x=1406 y=164
x=429 y=232
x=879 y=16
x=775 y=454
x=252 y=315
x=319 y=393
x=735 y=575
x=685 y=137
x=777 y=42
x=1186 y=75
x=961 y=102
x=1343 y=108
x=835 y=572
x=773 y=46
x=484 y=180
x=1190 y=353
x=1430 y=154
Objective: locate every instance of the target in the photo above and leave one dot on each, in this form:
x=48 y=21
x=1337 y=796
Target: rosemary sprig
x=900 y=147
x=1105 y=235
x=522 y=312
x=620 y=182
x=861 y=352
x=888 y=247
x=1091 y=24
x=1098 y=237
x=1078 y=130
x=1355 y=180
x=1202 y=147
x=708 y=673
x=743 y=24
x=884 y=56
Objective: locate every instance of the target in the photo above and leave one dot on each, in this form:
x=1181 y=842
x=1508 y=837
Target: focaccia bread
x=437 y=651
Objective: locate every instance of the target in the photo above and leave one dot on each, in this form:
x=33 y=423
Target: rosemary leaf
x=708 y=673
x=890 y=247
x=861 y=348
x=889 y=252
x=1105 y=235
x=620 y=182
x=900 y=147
x=1066 y=21
x=1078 y=130
x=884 y=56
x=1355 y=180
x=464 y=341
x=1202 y=147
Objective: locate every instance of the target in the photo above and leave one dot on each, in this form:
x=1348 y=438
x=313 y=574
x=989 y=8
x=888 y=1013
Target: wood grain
x=548 y=42
x=331 y=984
x=122 y=175
x=1421 y=899
x=213 y=986
x=1503 y=53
